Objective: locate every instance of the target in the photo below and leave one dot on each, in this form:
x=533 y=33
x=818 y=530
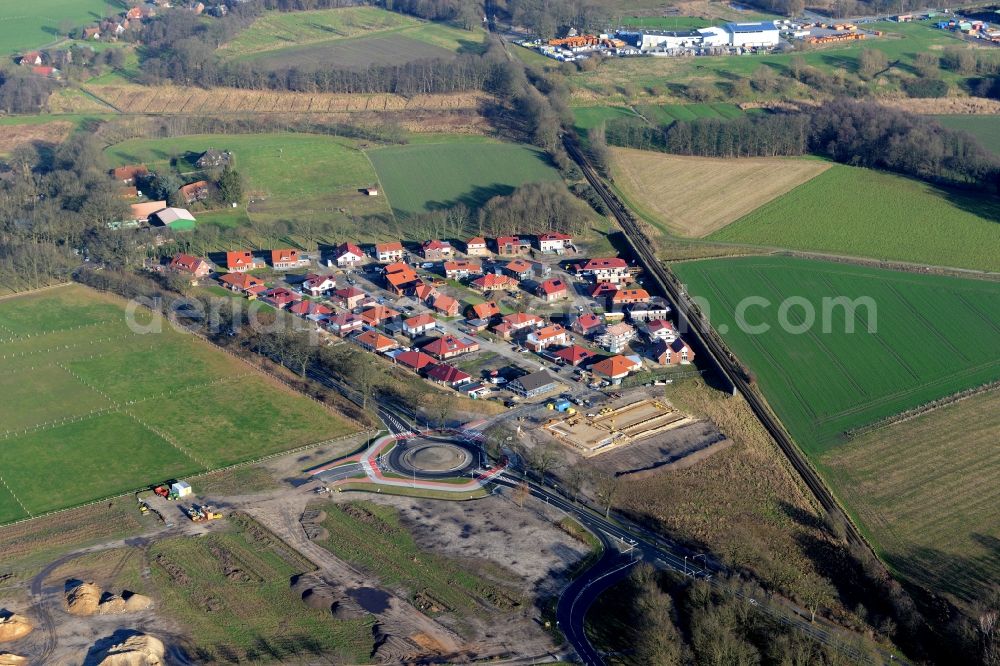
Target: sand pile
x=84 y=599
x=89 y=599
x=9 y=659
x=321 y=595
x=137 y=650
x=13 y=627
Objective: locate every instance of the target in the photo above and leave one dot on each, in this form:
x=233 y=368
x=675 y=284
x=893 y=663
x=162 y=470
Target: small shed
x=180 y=489
x=371 y=191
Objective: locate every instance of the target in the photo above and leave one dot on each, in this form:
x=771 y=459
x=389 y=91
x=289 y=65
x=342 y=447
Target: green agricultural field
x=664 y=114
x=425 y=176
x=350 y=37
x=290 y=176
x=92 y=409
x=667 y=22
x=933 y=336
x=984 y=128
x=852 y=211
x=925 y=491
x=26 y=26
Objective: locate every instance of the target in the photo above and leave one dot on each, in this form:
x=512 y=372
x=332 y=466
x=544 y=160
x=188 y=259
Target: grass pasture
x=92 y=409
x=347 y=37
x=24 y=26
x=934 y=336
x=289 y=176
x=984 y=128
x=925 y=491
x=853 y=211
x=695 y=196
x=424 y=176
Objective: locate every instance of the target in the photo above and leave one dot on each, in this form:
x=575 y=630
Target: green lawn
x=168 y=404
x=83 y=461
x=853 y=211
x=239 y=420
x=24 y=26
x=422 y=177
x=934 y=336
x=54 y=395
x=984 y=128
x=668 y=22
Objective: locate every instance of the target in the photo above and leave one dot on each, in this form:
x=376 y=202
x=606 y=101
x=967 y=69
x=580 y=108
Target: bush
x=925 y=88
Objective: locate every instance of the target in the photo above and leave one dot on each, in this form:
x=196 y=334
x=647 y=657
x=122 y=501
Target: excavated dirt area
x=13 y=626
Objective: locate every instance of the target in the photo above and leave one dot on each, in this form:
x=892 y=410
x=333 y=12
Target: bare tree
x=608 y=486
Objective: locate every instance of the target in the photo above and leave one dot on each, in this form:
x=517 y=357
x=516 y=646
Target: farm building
x=141 y=211
x=175 y=218
x=534 y=384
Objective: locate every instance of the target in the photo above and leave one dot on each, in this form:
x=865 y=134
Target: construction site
x=616 y=427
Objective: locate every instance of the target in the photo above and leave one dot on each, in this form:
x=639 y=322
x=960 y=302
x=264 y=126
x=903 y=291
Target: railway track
x=705 y=342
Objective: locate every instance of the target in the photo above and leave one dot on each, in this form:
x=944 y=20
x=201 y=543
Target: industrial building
x=764 y=34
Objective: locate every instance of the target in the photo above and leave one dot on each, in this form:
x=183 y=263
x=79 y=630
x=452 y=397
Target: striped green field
x=92 y=408
x=32 y=25
x=425 y=176
x=933 y=336
x=859 y=212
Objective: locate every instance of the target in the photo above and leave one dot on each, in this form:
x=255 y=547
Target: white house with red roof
x=456 y=269
x=348 y=255
x=317 y=285
x=554 y=242
x=553 y=335
x=605 y=269
x=587 y=324
x=345 y=323
x=387 y=253
x=284 y=259
x=448 y=374
x=419 y=325
x=660 y=329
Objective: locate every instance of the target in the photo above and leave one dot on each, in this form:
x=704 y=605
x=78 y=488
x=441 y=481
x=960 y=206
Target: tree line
x=852 y=132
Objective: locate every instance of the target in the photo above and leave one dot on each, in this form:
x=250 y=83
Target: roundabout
x=433 y=457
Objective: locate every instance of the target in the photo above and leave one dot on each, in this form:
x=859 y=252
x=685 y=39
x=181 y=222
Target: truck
x=202 y=513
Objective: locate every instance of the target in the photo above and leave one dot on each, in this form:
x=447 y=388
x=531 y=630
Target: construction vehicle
x=143 y=508
x=199 y=514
